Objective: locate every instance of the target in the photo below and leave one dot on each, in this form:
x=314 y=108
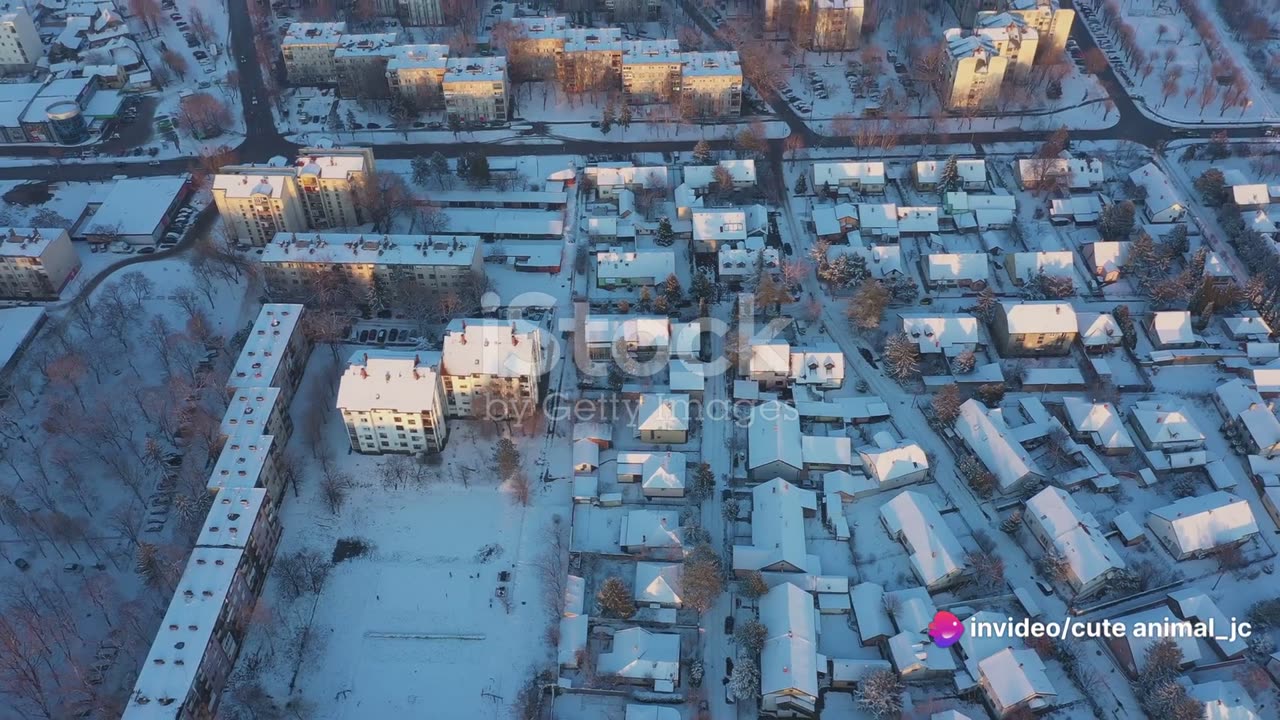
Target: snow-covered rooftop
x=777 y=529
x=955 y=267
x=1015 y=677
x=700 y=177
x=650 y=529
x=837 y=173
x=135 y=206
x=947 y=334
x=1161 y=194
x=476 y=69
x=1045 y=316
x=1100 y=421
x=593 y=40
x=540 y=28
x=176 y=654
x=728 y=224
x=663 y=413
x=889 y=459
x=270 y=182
x=1207 y=521
x=405 y=57
x=231 y=518
x=500 y=348
x=990 y=439
x=248 y=410
x=332 y=167
x=638 y=654
x=1098 y=329
x=1224 y=700
x=314 y=33
x=355 y=248
x=616 y=264
x=263 y=350
x=822 y=364
x=967 y=170
x=405 y=381
x=1075 y=535
x=1173 y=327
x=658 y=583
x=1027 y=264
x=658 y=471
x=1164 y=424
x=913 y=519
x=1079 y=173
x=826 y=450
x=720 y=62
x=241 y=462
x=642 y=332
x=789 y=659
x=774 y=436
x=639 y=52
x=367 y=45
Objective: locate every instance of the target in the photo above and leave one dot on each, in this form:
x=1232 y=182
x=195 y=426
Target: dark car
x=22 y=564
x=728 y=624
x=364 y=336
x=382 y=336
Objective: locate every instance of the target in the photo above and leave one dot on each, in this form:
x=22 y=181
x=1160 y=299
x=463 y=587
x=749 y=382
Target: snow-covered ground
x=1172 y=77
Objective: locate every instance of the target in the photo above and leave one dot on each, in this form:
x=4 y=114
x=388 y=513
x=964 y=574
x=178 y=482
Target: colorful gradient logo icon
x=945 y=629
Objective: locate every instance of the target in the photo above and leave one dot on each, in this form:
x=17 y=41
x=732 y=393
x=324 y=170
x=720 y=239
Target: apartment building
x=837 y=24
x=308 y=50
x=393 y=402
x=534 y=45
x=275 y=353
x=975 y=71
x=416 y=73
x=476 y=89
x=254 y=461
x=360 y=63
x=711 y=83
x=199 y=638
x=257 y=206
x=492 y=368
x=1050 y=20
x=1013 y=40
x=20 y=46
x=254 y=411
x=651 y=70
x=329 y=182
x=35 y=263
x=438 y=263
x=317 y=192
x=592 y=59
x=422 y=12
x=242 y=518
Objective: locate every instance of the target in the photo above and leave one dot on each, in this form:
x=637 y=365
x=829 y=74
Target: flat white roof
x=136 y=206
x=359 y=248
x=403 y=381
x=185 y=632
x=1173 y=327
x=265 y=346
x=721 y=62
x=834 y=172
x=27 y=242
x=593 y=40
x=231 y=518
x=248 y=411
x=476 y=69
x=968 y=170
x=314 y=33
x=502 y=348
x=406 y=57
x=241 y=461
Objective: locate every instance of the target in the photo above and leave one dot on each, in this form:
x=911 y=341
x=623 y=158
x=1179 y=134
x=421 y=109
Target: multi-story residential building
x=253 y=461
x=439 y=264
x=199 y=638
x=308 y=50
x=254 y=411
x=1034 y=328
x=837 y=24
x=1013 y=39
x=317 y=192
x=422 y=12
x=1050 y=20
x=711 y=83
x=592 y=59
x=360 y=62
x=393 y=402
x=329 y=181
x=35 y=263
x=492 y=368
x=259 y=202
x=274 y=354
x=651 y=70
x=20 y=45
x=242 y=517
x=475 y=89
x=416 y=73
x=533 y=45
x=975 y=71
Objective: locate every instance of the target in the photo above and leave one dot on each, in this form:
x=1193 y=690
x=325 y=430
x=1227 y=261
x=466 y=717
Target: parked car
x=22 y=564
x=146 y=250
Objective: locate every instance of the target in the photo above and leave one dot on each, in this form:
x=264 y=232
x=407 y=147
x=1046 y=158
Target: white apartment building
x=438 y=263
x=534 y=46
x=1050 y=20
x=492 y=368
x=422 y=12
x=416 y=73
x=308 y=50
x=360 y=62
x=274 y=354
x=1013 y=39
x=392 y=402
x=318 y=192
x=254 y=411
x=712 y=83
x=651 y=70
x=592 y=59
x=250 y=461
x=258 y=206
x=476 y=90
x=20 y=45
x=837 y=24
x=975 y=71
x=35 y=263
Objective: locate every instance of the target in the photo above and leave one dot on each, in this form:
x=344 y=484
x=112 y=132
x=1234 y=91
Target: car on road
x=154 y=163
x=728 y=624
x=1045 y=587
x=22 y=564
x=146 y=250
x=866 y=355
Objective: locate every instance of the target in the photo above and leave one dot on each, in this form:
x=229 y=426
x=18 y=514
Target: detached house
x=1197 y=526
x=937 y=557
x=1059 y=525
x=1035 y=328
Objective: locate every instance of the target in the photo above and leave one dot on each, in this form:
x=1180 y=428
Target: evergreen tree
x=606 y=119
x=950 y=178
x=614 y=598
x=666 y=235
x=702 y=289
x=478 y=170
x=421 y=170
x=672 y=291
x=802 y=185
x=624 y=117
